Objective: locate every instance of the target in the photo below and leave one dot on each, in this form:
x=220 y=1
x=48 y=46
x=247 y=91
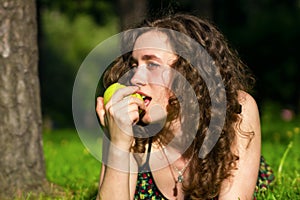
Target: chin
x=151 y=125
x=156 y=119
x=146 y=119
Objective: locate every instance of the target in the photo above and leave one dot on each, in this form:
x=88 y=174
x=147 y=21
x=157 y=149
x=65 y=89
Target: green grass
x=284 y=160
x=280 y=147
x=69 y=164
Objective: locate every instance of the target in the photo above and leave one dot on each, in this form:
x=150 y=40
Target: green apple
x=112 y=89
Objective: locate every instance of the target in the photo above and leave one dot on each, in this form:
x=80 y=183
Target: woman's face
x=152 y=58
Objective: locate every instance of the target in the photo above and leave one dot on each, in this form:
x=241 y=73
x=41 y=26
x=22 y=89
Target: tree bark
x=21 y=154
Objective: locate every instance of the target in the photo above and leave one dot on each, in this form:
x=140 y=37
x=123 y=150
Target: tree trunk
x=131 y=12
x=21 y=154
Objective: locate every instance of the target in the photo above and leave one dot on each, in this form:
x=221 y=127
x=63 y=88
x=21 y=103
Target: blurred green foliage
x=64 y=43
x=278 y=126
x=99 y=11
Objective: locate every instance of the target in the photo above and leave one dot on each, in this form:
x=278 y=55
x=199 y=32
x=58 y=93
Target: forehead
x=153 y=40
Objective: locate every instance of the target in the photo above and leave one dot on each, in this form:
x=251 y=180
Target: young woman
x=221 y=119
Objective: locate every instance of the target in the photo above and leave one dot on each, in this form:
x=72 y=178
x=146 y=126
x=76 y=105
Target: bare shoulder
x=247 y=147
x=247 y=101
x=250 y=120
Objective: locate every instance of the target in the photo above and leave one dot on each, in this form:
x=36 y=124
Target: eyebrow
x=149 y=57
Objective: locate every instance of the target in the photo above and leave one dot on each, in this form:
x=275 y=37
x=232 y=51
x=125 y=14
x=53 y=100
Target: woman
x=157 y=58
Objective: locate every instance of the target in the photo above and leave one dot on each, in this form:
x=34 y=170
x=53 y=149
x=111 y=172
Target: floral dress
x=147 y=189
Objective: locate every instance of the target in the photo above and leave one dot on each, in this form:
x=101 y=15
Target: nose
x=140 y=76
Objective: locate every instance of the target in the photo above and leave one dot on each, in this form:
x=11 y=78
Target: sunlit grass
x=280 y=147
x=70 y=165
x=284 y=160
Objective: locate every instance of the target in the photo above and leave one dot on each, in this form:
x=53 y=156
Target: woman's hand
x=119 y=115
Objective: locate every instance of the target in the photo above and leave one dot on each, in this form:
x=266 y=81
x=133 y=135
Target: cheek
x=162 y=95
x=167 y=77
x=156 y=112
x=161 y=77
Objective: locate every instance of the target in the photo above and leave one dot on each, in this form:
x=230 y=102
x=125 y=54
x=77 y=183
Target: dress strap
x=146 y=166
x=239 y=109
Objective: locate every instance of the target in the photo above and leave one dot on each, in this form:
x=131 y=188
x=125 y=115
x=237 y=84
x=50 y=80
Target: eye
x=133 y=65
x=152 y=65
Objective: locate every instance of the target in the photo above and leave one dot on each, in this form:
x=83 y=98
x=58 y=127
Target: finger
x=133 y=113
x=100 y=110
x=140 y=103
x=120 y=94
x=125 y=112
x=133 y=108
x=127 y=103
x=134 y=117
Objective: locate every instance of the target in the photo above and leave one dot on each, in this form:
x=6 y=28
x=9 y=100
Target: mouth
x=147 y=99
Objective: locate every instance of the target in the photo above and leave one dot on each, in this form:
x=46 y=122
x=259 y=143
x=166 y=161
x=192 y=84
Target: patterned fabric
x=265 y=177
x=147 y=189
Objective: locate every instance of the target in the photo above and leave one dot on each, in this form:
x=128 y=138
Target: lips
x=147 y=99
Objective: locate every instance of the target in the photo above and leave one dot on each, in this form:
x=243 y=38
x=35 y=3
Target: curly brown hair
x=209 y=172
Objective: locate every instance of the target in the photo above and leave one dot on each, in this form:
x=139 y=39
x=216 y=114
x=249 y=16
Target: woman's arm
x=117 y=117
x=248 y=147
x=116 y=184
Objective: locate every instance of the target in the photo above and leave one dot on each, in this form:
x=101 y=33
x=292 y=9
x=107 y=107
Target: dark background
x=265 y=33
